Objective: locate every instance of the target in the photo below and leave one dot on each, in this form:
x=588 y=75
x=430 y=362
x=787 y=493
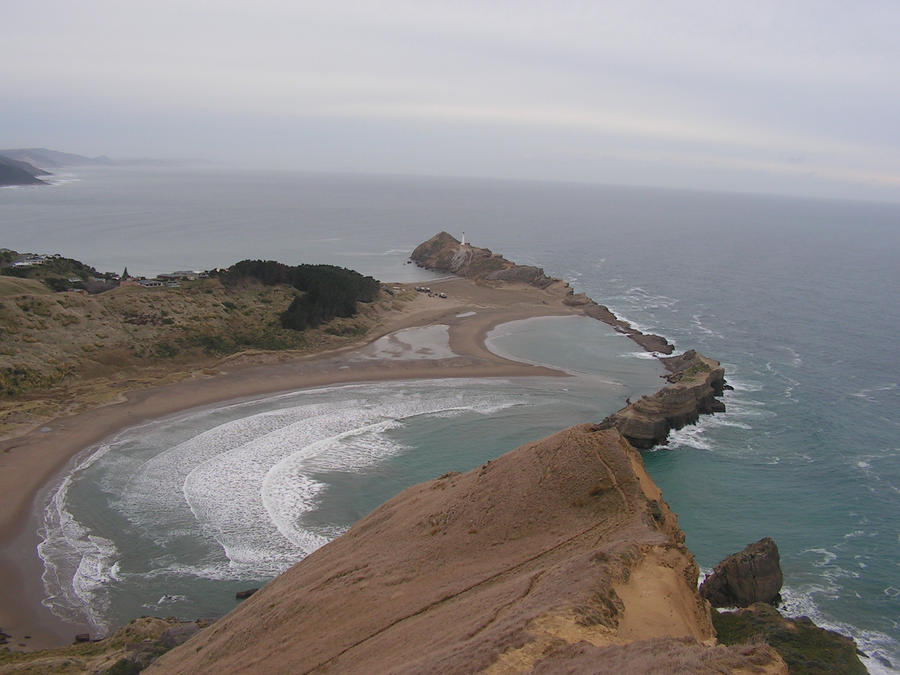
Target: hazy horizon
x=796 y=99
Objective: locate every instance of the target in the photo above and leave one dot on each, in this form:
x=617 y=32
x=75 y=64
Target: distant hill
x=17 y=172
x=45 y=158
x=25 y=166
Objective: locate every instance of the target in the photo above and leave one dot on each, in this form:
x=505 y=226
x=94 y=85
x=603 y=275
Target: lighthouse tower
x=463 y=242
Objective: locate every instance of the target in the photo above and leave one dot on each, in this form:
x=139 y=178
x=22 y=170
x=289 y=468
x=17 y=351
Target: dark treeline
x=328 y=291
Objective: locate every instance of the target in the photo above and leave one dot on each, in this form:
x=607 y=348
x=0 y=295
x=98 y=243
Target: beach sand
x=31 y=463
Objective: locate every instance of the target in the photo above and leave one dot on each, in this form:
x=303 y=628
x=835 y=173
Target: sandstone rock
x=243 y=595
x=563 y=540
x=753 y=575
x=694 y=383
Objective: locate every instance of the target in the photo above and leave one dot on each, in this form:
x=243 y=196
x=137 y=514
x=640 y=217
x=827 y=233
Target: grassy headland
x=61 y=351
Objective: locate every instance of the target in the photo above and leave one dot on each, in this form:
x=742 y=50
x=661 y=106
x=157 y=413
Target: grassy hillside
x=59 y=348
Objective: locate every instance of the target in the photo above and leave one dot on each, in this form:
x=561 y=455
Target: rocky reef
x=694 y=382
x=444 y=253
x=560 y=549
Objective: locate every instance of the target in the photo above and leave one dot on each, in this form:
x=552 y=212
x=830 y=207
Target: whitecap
x=641 y=354
x=703 y=328
x=689 y=437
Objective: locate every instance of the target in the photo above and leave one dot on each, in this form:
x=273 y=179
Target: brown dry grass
x=63 y=352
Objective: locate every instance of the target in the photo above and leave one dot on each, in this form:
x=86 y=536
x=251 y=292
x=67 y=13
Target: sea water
x=797 y=298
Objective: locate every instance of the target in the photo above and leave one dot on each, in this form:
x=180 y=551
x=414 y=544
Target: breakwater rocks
x=694 y=382
x=444 y=253
x=522 y=564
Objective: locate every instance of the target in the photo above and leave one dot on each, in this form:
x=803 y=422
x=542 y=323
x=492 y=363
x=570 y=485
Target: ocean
x=796 y=297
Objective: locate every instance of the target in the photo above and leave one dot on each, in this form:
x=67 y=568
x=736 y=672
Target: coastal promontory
x=561 y=548
x=444 y=253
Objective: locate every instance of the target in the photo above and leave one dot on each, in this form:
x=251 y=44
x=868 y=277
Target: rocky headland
x=444 y=253
x=559 y=549
x=694 y=382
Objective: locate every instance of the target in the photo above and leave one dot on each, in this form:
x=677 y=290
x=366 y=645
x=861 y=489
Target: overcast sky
x=786 y=96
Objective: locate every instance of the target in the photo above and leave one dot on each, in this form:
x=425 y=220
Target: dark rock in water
x=805 y=647
x=83 y=637
x=243 y=595
x=751 y=576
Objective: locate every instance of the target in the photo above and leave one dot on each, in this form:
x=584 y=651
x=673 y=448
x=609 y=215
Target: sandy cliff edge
x=561 y=544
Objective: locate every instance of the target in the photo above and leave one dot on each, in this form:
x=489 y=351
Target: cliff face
x=559 y=548
x=694 y=383
x=445 y=253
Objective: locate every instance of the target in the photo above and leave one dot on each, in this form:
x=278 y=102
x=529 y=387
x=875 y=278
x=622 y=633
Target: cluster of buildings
x=171 y=280
x=32 y=260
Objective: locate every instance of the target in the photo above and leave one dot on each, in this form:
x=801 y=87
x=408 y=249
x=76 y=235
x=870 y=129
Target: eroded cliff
x=560 y=547
x=694 y=383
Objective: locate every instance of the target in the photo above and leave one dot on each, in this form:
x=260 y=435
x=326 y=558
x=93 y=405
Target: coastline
x=30 y=463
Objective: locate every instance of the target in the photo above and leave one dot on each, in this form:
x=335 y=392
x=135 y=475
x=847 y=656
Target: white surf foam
x=77 y=563
x=243 y=485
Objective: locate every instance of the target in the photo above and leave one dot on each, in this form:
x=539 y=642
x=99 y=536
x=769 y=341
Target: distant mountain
x=43 y=157
x=17 y=172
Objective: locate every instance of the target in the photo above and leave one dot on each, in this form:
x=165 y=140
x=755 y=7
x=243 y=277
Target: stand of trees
x=328 y=291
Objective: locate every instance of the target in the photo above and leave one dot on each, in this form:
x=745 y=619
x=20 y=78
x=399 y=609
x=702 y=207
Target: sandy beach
x=30 y=463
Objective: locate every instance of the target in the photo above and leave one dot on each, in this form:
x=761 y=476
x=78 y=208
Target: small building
x=150 y=283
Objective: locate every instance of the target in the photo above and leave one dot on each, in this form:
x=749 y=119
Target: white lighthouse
x=463 y=242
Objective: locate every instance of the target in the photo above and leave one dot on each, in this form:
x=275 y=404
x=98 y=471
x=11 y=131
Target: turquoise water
x=176 y=515
x=797 y=298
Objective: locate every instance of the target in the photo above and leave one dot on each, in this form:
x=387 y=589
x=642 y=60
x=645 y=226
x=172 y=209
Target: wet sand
x=31 y=463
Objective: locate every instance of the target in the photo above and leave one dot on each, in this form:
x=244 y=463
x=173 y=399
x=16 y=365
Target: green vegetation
x=328 y=291
x=806 y=648
x=55 y=271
